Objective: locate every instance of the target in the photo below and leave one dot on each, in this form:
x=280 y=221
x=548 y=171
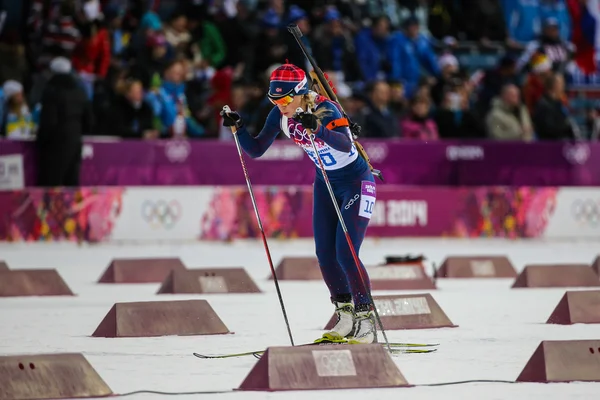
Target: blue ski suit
x=355 y=193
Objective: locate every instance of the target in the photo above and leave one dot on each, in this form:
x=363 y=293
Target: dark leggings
x=338 y=266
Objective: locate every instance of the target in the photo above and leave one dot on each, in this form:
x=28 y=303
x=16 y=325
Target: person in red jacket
x=91 y=57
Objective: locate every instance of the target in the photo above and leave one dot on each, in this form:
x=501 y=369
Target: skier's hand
x=308 y=121
x=231 y=118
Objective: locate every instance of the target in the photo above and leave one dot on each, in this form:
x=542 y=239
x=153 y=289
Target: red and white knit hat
x=287 y=79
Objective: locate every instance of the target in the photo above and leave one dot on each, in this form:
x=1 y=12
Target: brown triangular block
x=410 y=311
x=581 y=307
x=3 y=266
x=161 y=318
x=33 y=282
x=563 y=361
x=140 y=270
x=209 y=280
x=596 y=265
x=476 y=267
x=324 y=367
x=556 y=275
x=399 y=277
x=49 y=376
x=298 y=269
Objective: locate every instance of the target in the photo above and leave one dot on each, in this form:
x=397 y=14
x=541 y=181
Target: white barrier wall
x=224 y=213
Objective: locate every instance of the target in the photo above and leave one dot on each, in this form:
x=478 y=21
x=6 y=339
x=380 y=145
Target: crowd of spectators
x=162 y=69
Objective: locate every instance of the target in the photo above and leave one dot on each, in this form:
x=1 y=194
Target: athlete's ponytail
x=308 y=101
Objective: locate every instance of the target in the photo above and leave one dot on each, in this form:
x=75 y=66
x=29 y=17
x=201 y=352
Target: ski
x=397 y=348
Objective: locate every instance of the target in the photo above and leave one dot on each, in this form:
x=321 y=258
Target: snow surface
x=499 y=328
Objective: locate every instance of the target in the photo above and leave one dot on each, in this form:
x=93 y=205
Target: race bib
x=367 y=199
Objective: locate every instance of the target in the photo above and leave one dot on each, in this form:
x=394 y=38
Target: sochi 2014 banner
x=398 y=212
x=226 y=213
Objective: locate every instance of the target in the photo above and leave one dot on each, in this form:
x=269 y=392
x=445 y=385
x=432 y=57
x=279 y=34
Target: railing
x=175 y=162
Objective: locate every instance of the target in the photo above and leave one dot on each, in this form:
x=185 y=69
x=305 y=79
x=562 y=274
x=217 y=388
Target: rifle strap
x=338 y=123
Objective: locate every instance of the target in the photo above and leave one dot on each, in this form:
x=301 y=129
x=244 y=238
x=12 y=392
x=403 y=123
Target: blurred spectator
x=222 y=94
x=119 y=37
x=413 y=56
x=238 y=99
x=270 y=47
x=170 y=105
x=240 y=36
x=523 y=21
x=379 y=121
x=156 y=55
x=550 y=43
x=448 y=72
x=131 y=116
x=208 y=47
x=53 y=28
x=442 y=18
x=557 y=10
x=551 y=117
x=533 y=89
x=509 y=119
x=494 y=80
x=277 y=7
x=374 y=51
x=91 y=56
x=105 y=96
x=17 y=120
x=395 y=12
x=177 y=34
x=482 y=20
x=418 y=124
x=398 y=102
x=334 y=50
x=65 y=116
x=294 y=53
x=150 y=26
x=13 y=64
x=256 y=107
x=454 y=119
x=53 y=31
x=419 y=9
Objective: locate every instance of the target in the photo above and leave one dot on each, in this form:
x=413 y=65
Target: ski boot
x=365 y=328
x=344 y=326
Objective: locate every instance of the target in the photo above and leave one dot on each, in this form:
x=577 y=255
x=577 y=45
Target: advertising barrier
x=443 y=163
x=225 y=213
x=11 y=172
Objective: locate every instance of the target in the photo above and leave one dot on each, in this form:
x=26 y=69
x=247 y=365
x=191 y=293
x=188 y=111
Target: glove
x=231 y=118
x=309 y=121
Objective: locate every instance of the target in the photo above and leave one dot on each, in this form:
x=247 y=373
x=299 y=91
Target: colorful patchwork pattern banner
x=226 y=213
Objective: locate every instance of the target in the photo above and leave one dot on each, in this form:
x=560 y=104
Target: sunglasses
x=282 y=101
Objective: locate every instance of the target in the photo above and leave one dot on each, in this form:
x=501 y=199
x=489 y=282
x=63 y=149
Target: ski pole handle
x=227 y=110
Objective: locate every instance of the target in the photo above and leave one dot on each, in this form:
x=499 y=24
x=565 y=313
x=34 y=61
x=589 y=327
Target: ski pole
x=260 y=226
x=347 y=234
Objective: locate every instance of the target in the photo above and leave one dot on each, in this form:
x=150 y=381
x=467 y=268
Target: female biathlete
x=353 y=185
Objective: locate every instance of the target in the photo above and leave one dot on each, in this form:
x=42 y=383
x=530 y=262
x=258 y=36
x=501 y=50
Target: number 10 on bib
x=367 y=199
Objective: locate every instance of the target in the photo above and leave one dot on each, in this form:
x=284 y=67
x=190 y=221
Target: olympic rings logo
x=352 y=200
x=586 y=211
x=161 y=213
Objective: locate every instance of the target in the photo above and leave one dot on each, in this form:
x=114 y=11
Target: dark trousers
x=59 y=165
x=339 y=269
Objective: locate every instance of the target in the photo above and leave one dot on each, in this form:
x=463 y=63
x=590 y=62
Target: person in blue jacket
x=522 y=20
x=412 y=54
x=170 y=105
x=352 y=182
x=373 y=51
x=557 y=10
